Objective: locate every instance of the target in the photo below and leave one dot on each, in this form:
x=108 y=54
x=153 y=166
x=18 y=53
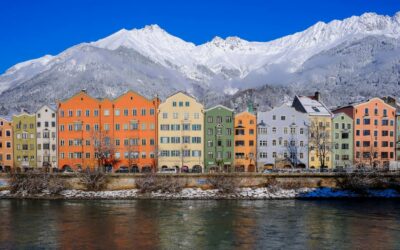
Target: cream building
x=46 y=136
x=180 y=133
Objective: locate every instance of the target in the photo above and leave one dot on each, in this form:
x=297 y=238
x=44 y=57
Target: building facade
x=6 y=145
x=282 y=138
x=245 y=137
x=135 y=131
x=342 y=134
x=46 y=137
x=374 y=132
x=319 y=132
x=181 y=133
x=108 y=133
x=24 y=128
x=218 y=139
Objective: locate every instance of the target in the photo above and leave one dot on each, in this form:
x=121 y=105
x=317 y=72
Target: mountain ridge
x=152 y=61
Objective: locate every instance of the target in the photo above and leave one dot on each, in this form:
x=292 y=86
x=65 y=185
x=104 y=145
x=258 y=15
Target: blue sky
x=30 y=29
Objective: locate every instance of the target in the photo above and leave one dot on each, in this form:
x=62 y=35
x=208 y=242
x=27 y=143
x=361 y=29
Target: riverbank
x=210 y=194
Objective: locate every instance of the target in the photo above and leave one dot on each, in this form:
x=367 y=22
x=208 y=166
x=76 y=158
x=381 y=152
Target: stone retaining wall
x=297 y=180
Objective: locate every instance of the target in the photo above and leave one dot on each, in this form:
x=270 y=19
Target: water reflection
x=200 y=224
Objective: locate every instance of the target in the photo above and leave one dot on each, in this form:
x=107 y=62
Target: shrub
x=150 y=182
x=225 y=184
x=93 y=180
x=36 y=182
x=360 y=183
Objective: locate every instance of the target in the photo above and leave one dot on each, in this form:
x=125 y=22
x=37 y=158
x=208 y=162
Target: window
x=134 y=112
x=366 y=132
x=78 y=113
x=106 y=112
x=385 y=122
x=165 y=115
x=96 y=112
x=196 y=127
x=186 y=104
x=283 y=118
x=186 y=126
x=185 y=139
x=173 y=104
x=126 y=112
x=367 y=121
x=87 y=112
x=143 y=111
x=274 y=130
x=164 y=127
x=196 y=139
x=209 y=119
x=180 y=104
x=117 y=112
x=228 y=119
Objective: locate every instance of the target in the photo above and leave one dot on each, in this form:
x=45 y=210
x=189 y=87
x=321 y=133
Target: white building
x=282 y=138
x=46 y=136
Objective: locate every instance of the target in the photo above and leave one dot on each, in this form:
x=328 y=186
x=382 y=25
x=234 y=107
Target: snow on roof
x=314 y=107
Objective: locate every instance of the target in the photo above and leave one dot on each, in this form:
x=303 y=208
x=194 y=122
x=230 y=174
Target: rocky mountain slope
x=347 y=60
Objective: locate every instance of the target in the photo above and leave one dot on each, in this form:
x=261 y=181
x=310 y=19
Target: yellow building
x=319 y=131
x=180 y=133
x=24 y=127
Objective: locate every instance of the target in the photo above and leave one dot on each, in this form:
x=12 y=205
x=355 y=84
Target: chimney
x=317 y=96
x=83 y=90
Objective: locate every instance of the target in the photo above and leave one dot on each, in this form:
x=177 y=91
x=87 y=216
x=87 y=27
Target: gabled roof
x=313 y=107
x=134 y=93
x=82 y=92
x=244 y=112
x=46 y=106
x=219 y=106
x=182 y=92
x=340 y=114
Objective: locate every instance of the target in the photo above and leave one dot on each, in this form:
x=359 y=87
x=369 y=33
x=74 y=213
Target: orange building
x=6 y=145
x=245 y=142
x=374 y=132
x=111 y=133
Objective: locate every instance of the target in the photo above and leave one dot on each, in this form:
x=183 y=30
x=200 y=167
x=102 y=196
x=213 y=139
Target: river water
x=152 y=224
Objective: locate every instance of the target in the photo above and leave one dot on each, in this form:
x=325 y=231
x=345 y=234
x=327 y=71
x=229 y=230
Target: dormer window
x=315 y=109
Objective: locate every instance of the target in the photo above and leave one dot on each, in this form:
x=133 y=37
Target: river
x=154 y=224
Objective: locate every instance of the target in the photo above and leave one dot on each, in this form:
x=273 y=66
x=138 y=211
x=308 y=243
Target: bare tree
x=132 y=150
x=104 y=148
x=293 y=150
x=320 y=141
x=368 y=156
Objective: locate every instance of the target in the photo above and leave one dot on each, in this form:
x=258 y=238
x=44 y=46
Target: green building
x=218 y=139
x=24 y=127
x=342 y=150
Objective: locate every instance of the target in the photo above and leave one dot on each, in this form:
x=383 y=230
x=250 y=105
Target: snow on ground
x=197 y=193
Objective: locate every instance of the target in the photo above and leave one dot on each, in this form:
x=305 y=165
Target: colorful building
x=282 y=138
x=46 y=137
x=374 y=132
x=107 y=133
x=319 y=131
x=342 y=134
x=245 y=137
x=6 y=145
x=24 y=128
x=135 y=131
x=218 y=139
x=181 y=133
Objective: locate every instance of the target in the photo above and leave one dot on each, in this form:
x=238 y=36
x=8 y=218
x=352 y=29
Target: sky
x=30 y=29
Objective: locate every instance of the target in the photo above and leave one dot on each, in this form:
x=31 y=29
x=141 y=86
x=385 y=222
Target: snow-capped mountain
x=152 y=61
